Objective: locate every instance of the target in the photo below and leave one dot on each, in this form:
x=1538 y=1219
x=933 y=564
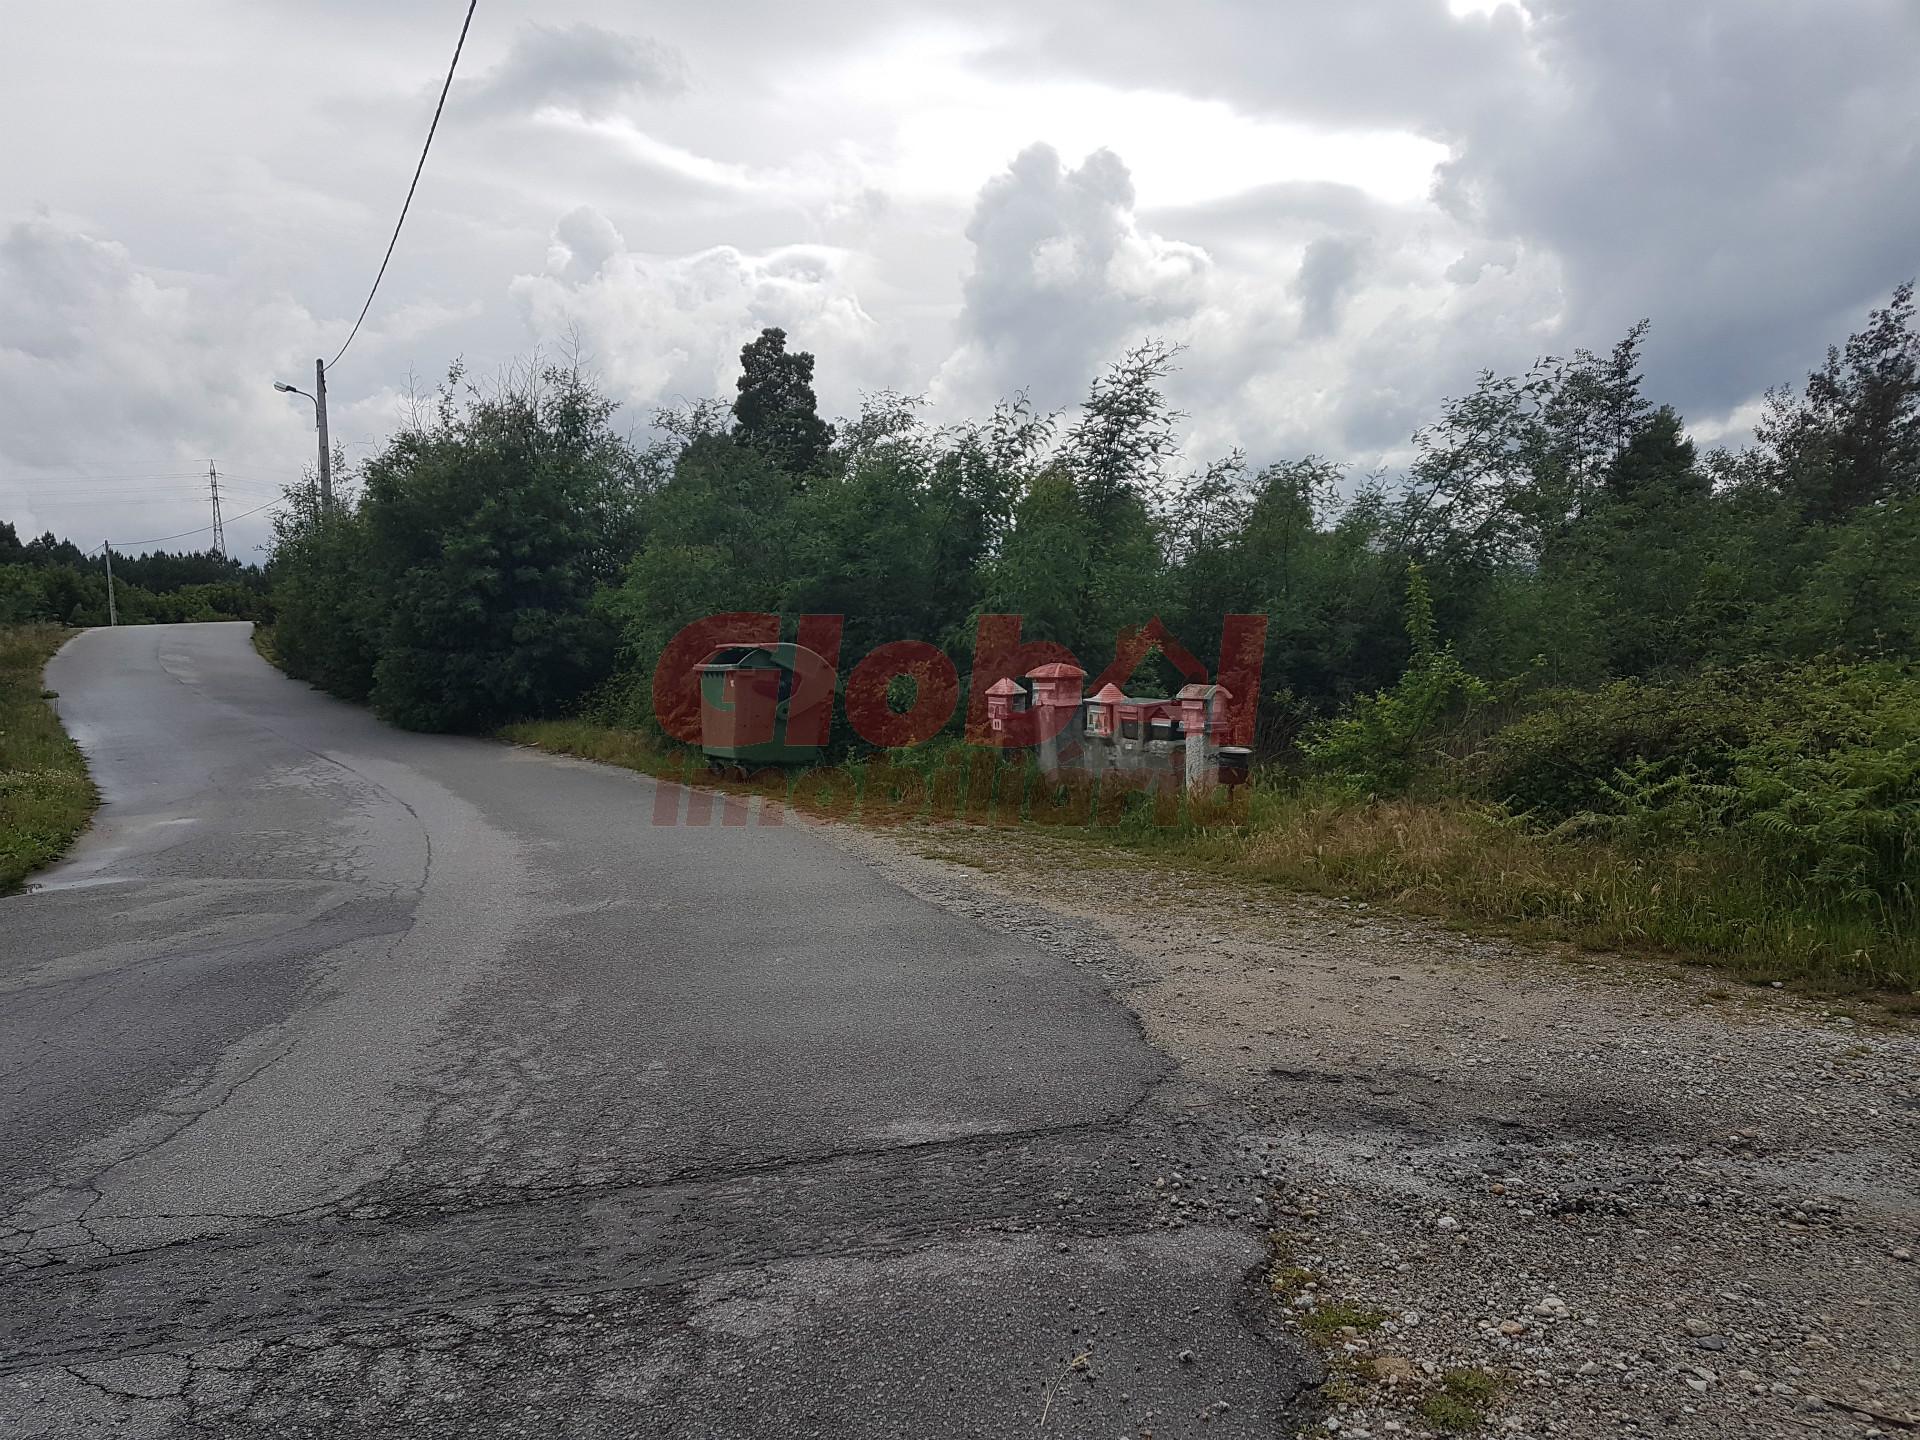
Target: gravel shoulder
x=1630 y=1198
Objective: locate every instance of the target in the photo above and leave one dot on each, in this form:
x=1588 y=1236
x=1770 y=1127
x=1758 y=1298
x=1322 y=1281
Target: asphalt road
x=359 y=1083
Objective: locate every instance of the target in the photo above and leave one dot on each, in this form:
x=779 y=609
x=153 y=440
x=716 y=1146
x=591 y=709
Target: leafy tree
x=775 y=411
x=1120 y=448
x=1656 y=462
x=326 y=607
x=455 y=590
x=50 y=579
x=1040 y=572
x=488 y=532
x=48 y=550
x=717 y=536
x=1510 y=471
x=1853 y=437
x=1566 y=530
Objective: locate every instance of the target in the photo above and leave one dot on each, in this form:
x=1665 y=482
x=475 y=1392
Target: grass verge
x=626 y=748
x=262 y=639
x=1462 y=863
x=46 y=796
x=1475 y=866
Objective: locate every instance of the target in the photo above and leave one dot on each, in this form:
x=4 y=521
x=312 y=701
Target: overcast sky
x=1345 y=210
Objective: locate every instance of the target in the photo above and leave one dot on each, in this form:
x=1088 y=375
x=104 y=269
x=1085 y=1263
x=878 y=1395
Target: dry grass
x=1476 y=866
x=627 y=748
x=45 y=795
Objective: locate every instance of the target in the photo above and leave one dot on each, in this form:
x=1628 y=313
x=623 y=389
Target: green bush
x=324 y=627
x=1384 y=740
x=457 y=591
x=1558 y=760
x=1811 y=773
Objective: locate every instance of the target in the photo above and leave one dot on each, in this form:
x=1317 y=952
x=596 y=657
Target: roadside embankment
x=45 y=795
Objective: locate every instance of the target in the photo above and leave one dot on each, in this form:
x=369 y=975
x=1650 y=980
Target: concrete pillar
x=1202 y=715
x=1056 y=702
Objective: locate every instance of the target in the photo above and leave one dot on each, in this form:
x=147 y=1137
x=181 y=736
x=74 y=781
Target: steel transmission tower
x=219 y=530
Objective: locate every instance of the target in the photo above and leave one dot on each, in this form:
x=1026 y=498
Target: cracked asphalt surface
x=355 y=1082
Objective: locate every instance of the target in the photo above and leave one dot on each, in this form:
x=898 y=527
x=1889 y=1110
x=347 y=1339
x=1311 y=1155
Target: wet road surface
x=355 y=1082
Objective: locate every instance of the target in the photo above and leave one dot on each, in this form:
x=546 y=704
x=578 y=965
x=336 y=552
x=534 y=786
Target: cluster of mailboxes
x=1113 y=731
x=772 y=705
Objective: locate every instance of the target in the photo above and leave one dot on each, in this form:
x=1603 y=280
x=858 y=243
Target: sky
x=1344 y=212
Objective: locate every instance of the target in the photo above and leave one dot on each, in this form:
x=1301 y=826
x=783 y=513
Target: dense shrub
x=1566 y=755
x=1810 y=772
x=1381 y=742
x=456 y=591
x=1825 y=800
x=325 y=619
x=1559 y=759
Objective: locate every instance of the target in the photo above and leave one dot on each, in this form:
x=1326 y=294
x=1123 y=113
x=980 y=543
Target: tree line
x=511 y=553
x=53 y=580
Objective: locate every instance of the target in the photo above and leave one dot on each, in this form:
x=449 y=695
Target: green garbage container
x=763 y=705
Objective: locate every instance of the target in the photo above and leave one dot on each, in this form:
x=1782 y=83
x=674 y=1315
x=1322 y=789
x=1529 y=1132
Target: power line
x=184 y=489
x=126 y=501
x=444 y=89
x=136 y=544
x=48 y=484
x=137 y=492
x=95 y=480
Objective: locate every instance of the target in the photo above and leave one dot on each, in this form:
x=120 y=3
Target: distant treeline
x=1563 y=615
x=512 y=554
x=50 y=579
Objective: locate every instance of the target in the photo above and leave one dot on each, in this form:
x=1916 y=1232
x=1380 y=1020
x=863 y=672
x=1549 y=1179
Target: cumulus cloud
x=1316 y=337
x=1743 y=172
x=1328 y=274
x=660 y=328
x=1063 y=273
x=579 y=67
x=99 y=354
x=106 y=363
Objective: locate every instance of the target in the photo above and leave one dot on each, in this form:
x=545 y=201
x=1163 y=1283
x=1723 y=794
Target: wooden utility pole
x=113 y=611
x=320 y=415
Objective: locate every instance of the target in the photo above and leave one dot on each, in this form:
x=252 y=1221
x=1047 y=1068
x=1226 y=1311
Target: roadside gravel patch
x=1547 y=1192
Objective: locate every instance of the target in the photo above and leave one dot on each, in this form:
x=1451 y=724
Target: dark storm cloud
x=1405 y=64
x=1746 y=173
x=581 y=67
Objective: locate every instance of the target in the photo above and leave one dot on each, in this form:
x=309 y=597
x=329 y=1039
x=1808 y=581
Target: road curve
x=355 y=1082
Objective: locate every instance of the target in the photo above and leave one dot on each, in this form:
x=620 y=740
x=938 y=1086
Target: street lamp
x=319 y=399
